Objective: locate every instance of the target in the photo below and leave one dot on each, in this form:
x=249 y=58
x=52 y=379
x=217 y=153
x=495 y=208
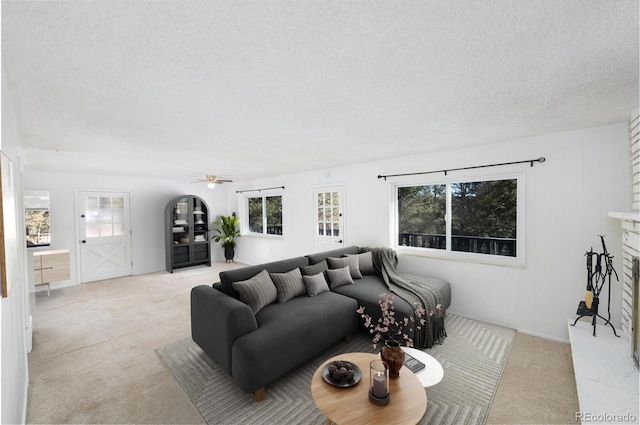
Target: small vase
x=392 y=354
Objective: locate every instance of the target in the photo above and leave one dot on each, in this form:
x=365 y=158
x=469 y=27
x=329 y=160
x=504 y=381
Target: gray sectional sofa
x=256 y=343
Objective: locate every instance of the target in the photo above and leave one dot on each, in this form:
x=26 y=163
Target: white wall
x=567 y=199
x=14 y=310
x=586 y=175
x=148 y=200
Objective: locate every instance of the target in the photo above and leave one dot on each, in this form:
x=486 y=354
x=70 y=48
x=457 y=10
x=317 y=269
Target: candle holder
x=379 y=383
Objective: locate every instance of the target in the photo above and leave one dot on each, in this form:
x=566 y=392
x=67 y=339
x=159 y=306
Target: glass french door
x=329 y=218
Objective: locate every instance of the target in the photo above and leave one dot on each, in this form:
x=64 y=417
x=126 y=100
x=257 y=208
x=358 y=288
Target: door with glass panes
x=329 y=223
x=105 y=235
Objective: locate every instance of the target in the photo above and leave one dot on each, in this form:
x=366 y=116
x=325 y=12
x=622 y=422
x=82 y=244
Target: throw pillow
x=352 y=262
x=257 y=292
x=289 y=284
x=339 y=277
x=314 y=268
x=365 y=260
x=315 y=284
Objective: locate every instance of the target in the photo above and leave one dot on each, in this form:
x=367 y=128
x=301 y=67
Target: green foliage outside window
x=421 y=212
x=36 y=217
x=265 y=214
x=483 y=216
x=255 y=215
x=486 y=209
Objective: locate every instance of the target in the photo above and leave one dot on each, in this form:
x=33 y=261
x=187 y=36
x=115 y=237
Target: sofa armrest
x=217 y=320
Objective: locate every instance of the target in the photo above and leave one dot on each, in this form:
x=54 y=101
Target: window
x=329 y=217
x=36 y=217
x=421 y=216
x=265 y=214
x=477 y=219
x=104 y=216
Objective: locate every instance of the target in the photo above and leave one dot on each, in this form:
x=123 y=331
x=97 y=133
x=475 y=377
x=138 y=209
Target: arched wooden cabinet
x=187 y=232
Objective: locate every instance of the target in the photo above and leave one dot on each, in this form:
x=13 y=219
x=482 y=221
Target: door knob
x=340 y=241
x=83 y=241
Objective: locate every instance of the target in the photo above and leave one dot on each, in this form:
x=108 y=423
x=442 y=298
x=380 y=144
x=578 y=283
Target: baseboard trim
x=524 y=331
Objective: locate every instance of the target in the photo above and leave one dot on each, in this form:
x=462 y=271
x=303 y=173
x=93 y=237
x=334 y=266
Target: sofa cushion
x=229 y=276
x=352 y=262
x=339 y=277
x=289 y=284
x=335 y=253
x=367 y=292
x=315 y=284
x=365 y=262
x=258 y=291
x=314 y=268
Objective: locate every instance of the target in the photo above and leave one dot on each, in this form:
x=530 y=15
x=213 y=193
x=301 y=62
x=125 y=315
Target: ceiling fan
x=211 y=181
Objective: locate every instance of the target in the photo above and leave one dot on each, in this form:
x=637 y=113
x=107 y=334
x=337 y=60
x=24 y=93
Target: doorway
x=329 y=218
x=104 y=223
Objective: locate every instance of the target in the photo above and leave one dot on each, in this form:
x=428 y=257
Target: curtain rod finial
x=540 y=160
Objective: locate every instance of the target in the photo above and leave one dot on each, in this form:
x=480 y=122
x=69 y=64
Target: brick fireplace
x=635 y=314
x=630 y=252
x=630 y=222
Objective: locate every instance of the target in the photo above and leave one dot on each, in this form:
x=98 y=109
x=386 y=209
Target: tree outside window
x=421 y=216
x=483 y=216
x=265 y=214
x=36 y=217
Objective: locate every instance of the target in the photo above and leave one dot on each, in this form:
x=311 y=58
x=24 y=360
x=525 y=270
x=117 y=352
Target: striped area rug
x=473 y=357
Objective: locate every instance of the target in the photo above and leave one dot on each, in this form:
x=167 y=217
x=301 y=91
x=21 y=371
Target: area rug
x=473 y=357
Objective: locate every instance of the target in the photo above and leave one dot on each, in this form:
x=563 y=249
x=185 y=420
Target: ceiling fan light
x=211 y=185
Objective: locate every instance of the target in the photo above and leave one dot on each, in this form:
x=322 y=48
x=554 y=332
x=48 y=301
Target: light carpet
x=473 y=357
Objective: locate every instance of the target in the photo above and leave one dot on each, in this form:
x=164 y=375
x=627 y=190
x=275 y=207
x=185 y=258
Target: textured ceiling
x=248 y=89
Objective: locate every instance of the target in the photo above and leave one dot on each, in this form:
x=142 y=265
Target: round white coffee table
x=432 y=372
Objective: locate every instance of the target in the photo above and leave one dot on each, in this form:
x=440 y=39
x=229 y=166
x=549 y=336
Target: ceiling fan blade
x=211 y=179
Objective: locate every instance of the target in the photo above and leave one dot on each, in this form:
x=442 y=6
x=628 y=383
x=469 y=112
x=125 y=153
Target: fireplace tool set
x=597 y=276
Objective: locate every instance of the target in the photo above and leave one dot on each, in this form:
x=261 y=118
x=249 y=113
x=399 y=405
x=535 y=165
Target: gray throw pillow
x=339 y=277
x=289 y=284
x=315 y=284
x=365 y=261
x=314 y=269
x=257 y=292
x=352 y=262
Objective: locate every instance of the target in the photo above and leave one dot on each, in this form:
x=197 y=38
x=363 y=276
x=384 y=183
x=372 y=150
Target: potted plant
x=228 y=229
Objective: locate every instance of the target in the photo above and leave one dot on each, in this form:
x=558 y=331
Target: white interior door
x=105 y=235
x=329 y=220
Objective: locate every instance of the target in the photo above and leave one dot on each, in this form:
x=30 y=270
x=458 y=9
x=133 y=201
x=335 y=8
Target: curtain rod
x=259 y=190
x=530 y=161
